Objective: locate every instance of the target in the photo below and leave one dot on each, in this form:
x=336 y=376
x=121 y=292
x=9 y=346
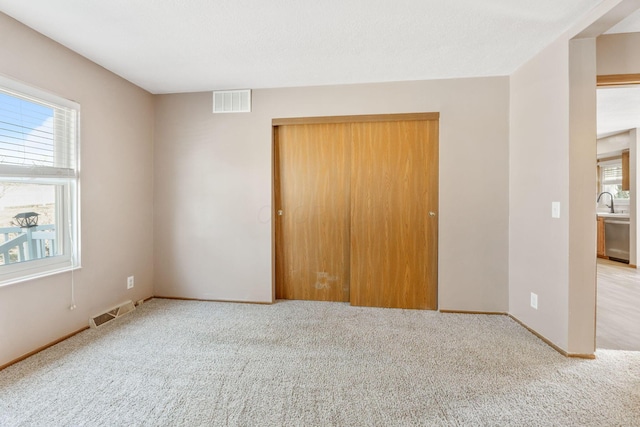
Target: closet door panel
x=313 y=194
x=394 y=197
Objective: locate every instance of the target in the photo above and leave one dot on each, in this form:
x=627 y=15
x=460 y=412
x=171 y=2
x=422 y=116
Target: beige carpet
x=178 y=363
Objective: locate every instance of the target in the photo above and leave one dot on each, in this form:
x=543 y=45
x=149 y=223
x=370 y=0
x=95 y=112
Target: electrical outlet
x=130 y=282
x=534 y=300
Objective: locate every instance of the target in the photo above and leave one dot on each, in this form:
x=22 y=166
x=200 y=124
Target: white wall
x=213 y=186
x=116 y=185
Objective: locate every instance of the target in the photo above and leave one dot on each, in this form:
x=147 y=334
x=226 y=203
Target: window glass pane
x=38 y=183
x=28 y=221
x=616 y=190
x=26 y=132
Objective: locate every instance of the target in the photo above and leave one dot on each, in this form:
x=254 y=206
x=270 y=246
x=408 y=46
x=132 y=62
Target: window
x=611 y=179
x=38 y=183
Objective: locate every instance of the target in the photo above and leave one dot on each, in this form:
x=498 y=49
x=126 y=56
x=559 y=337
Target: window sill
x=39 y=275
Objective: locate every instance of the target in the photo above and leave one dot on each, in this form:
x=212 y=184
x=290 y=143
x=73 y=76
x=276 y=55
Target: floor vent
x=111 y=314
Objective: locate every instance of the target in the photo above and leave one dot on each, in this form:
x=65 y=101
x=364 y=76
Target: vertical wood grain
x=625 y=171
x=278 y=266
x=600 y=239
x=394 y=186
x=312 y=248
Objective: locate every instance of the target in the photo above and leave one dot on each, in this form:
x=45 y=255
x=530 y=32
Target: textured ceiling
x=618 y=109
x=169 y=46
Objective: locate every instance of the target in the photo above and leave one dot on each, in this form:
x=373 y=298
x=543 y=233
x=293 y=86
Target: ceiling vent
x=232 y=101
x=112 y=313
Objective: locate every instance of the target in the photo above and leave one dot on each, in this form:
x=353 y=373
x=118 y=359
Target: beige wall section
x=552 y=150
x=539 y=175
x=116 y=205
x=213 y=186
x=618 y=53
x=582 y=195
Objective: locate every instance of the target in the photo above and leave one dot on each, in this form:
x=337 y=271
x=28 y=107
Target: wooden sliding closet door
x=394 y=201
x=313 y=195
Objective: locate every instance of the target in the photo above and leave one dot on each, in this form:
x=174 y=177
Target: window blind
x=36 y=137
x=612 y=173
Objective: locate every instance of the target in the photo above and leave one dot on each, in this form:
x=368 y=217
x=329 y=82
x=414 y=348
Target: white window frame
x=67 y=196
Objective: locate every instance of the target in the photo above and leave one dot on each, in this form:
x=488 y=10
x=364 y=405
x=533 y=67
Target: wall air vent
x=232 y=101
x=112 y=313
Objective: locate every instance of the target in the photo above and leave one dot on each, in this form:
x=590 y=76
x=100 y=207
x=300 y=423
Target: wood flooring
x=618 y=315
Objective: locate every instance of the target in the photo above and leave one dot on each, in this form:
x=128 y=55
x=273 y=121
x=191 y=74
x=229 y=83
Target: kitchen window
x=39 y=182
x=611 y=179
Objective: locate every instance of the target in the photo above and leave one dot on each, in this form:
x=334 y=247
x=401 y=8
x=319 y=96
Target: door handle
x=279 y=212
x=432 y=213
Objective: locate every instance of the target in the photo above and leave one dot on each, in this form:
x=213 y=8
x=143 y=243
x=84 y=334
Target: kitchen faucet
x=610 y=195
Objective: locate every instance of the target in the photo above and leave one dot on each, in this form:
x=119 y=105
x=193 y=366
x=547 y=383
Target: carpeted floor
x=295 y=363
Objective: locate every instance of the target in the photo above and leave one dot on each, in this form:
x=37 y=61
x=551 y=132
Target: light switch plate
x=534 y=300
x=555 y=209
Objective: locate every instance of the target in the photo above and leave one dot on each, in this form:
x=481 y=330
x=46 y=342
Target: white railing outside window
x=39 y=180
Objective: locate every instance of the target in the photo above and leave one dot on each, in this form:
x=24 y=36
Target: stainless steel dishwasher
x=616 y=239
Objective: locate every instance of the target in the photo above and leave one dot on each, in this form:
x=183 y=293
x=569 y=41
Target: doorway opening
x=617 y=278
